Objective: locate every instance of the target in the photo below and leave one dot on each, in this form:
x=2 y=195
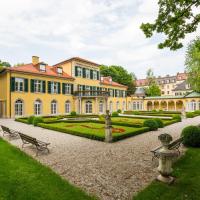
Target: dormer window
x=42 y=67
x=59 y=70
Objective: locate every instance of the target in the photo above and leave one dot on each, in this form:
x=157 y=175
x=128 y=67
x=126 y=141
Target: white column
x=175 y=105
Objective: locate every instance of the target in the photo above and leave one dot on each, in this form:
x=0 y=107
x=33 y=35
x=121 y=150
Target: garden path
x=111 y=171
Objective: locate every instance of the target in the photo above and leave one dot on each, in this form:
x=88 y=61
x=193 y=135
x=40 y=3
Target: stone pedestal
x=108 y=134
x=165 y=157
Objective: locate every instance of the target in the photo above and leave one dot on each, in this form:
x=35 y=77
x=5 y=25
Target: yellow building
x=71 y=85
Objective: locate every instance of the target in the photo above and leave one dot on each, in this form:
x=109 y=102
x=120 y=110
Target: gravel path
x=111 y=171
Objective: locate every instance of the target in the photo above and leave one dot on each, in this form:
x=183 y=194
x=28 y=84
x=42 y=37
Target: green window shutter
x=98 y=75
x=84 y=72
x=72 y=88
x=91 y=74
x=63 y=88
x=76 y=71
x=49 y=87
x=58 y=88
x=115 y=93
x=32 y=85
x=12 y=84
x=26 y=85
x=83 y=87
x=44 y=86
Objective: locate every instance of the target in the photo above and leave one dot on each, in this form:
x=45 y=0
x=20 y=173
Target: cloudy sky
x=104 y=31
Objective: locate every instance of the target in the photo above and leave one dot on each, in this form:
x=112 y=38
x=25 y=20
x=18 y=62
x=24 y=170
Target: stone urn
x=165 y=157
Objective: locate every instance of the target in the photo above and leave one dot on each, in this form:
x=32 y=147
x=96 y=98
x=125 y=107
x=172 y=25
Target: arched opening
x=171 y=105
x=156 y=105
x=101 y=105
x=129 y=105
x=123 y=106
x=88 y=107
x=54 y=107
x=163 y=105
x=67 y=107
x=19 y=107
x=117 y=105
x=179 y=105
x=149 y=105
x=38 y=107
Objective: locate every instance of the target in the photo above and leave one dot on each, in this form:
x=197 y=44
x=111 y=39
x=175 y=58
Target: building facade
x=72 y=85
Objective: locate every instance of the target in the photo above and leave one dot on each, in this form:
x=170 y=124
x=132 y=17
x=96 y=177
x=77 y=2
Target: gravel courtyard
x=110 y=171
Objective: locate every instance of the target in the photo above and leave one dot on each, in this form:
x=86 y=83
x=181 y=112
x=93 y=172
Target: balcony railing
x=91 y=93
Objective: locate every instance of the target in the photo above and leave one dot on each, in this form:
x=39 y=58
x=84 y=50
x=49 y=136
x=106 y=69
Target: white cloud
x=105 y=31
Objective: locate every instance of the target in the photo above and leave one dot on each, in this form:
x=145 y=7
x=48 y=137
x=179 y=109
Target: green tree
x=192 y=63
x=120 y=75
x=175 y=19
x=4 y=64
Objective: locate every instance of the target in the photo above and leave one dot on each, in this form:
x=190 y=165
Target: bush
x=154 y=110
x=136 y=112
x=190 y=115
x=177 y=118
x=191 y=136
x=159 y=122
x=115 y=114
x=30 y=119
x=197 y=112
x=119 y=111
x=73 y=113
x=152 y=124
x=37 y=120
x=102 y=118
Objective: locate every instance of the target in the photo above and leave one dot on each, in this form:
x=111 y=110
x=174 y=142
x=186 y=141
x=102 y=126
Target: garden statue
x=183 y=113
x=166 y=157
x=108 y=127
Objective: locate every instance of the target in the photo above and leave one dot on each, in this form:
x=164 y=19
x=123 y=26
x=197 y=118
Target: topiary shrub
x=154 y=110
x=152 y=124
x=30 y=119
x=190 y=115
x=37 y=120
x=115 y=114
x=73 y=113
x=191 y=136
x=136 y=112
x=119 y=111
x=102 y=118
x=177 y=117
x=197 y=112
x=159 y=122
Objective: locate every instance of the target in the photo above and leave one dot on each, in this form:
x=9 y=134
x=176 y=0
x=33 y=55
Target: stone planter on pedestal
x=165 y=157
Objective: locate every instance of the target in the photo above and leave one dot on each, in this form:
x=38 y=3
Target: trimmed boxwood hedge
x=94 y=137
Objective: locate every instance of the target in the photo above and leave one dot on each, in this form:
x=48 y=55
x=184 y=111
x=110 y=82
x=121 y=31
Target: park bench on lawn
x=40 y=146
x=173 y=145
x=11 y=133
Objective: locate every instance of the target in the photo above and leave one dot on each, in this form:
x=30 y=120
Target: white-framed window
x=19 y=84
x=117 y=93
x=67 y=107
x=42 y=67
x=87 y=73
x=88 y=107
x=111 y=92
x=54 y=107
x=38 y=107
x=67 y=88
x=79 y=71
x=117 y=105
x=19 y=106
x=111 y=107
x=87 y=88
x=94 y=75
x=59 y=70
x=38 y=86
x=124 y=93
x=123 y=106
x=101 y=107
x=54 y=87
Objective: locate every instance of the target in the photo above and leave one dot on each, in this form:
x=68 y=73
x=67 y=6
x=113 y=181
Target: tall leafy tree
x=175 y=19
x=120 y=75
x=4 y=64
x=192 y=63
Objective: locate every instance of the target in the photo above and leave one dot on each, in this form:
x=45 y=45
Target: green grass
x=186 y=186
x=23 y=178
x=94 y=131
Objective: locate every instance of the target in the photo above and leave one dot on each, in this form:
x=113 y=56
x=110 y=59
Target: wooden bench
x=10 y=132
x=173 y=145
x=40 y=146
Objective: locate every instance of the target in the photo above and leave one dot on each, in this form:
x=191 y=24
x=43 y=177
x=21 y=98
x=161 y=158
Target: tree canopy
x=175 y=19
x=4 y=64
x=120 y=75
x=192 y=63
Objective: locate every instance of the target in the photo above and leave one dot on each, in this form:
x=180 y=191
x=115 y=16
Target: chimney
x=35 y=60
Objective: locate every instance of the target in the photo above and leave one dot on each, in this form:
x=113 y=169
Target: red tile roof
x=34 y=69
x=141 y=82
x=107 y=81
x=77 y=59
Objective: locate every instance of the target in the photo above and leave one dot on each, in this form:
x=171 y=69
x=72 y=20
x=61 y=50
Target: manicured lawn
x=94 y=130
x=22 y=178
x=187 y=185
